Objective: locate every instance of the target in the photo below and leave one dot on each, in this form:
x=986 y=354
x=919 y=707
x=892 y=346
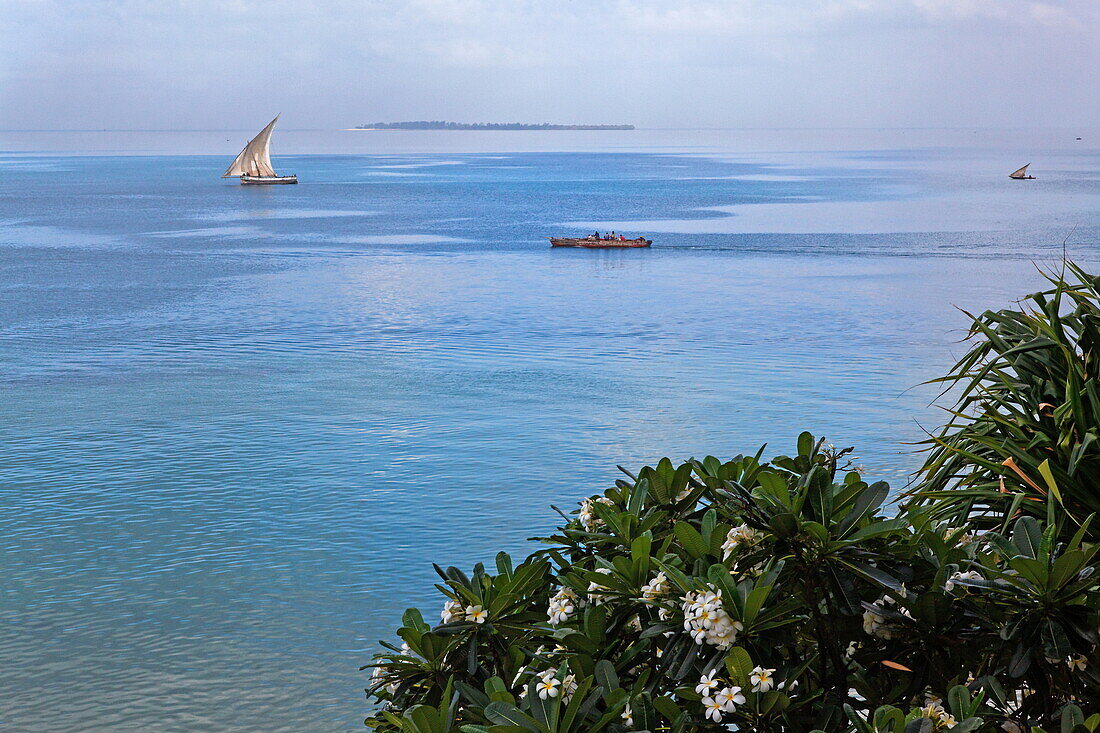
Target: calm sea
x=238 y=424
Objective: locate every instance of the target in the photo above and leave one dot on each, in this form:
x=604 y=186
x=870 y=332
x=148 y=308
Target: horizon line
x=636 y=129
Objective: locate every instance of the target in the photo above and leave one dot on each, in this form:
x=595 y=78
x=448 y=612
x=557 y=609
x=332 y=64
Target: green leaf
x=667 y=707
x=595 y=621
x=606 y=677
x=875 y=575
x=805 y=444
x=637 y=497
x=958 y=700
x=640 y=549
x=739 y=665
x=641 y=710
x=1055 y=642
x=857 y=720
x=579 y=705
x=919 y=725
x=1048 y=478
x=691 y=540
x=504 y=564
x=505 y=714
x=868 y=501
x=784 y=525
x=878 y=529
x=1071 y=718
x=755 y=601
x=706 y=527
x=1027 y=536
x=1066 y=568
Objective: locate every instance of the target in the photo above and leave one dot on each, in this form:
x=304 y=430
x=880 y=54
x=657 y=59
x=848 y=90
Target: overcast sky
x=202 y=64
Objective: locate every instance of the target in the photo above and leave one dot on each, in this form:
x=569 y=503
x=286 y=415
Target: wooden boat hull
x=1022 y=178
x=599 y=243
x=247 y=180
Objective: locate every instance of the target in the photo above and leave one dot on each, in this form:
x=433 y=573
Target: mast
x=255 y=159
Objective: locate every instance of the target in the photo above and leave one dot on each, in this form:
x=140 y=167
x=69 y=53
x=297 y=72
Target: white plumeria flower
x=378 y=674
x=875 y=624
x=762 y=679
x=587 y=516
x=628 y=717
x=476 y=614
x=548 y=687
x=947 y=720
x=707 y=621
x=656 y=588
x=1077 y=663
x=963 y=540
x=706 y=683
x=949 y=584
x=729 y=698
x=597 y=591
x=562 y=606
x=738 y=536
x=452 y=611
x=932 y=710
x=568 y=687
x=713 y=709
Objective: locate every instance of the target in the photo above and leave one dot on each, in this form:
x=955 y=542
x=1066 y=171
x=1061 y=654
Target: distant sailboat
x=253 y=165
x=1021 y=175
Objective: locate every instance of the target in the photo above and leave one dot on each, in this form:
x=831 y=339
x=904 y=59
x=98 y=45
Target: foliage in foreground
x=772 y=596
x=1025 y=432
x=786 y=596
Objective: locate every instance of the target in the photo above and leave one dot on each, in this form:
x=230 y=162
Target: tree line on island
x=794 y=595
x=442 y=125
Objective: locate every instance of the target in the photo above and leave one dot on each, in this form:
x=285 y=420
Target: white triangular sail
x=255 y=159
x=1020 y=173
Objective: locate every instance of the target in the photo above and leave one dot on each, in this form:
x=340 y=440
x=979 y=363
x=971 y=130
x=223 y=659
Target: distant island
x=441 y=125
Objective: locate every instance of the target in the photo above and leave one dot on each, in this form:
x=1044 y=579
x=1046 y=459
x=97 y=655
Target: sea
x=239 y=424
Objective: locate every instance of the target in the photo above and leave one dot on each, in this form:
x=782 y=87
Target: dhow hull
x=267 y=180
x=599 y=243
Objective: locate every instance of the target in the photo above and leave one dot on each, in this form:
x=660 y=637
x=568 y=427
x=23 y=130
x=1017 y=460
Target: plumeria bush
x=789 y=595
x=770 y=596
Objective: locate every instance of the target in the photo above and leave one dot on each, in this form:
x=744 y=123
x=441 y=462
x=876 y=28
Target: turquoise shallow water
x=239 y=424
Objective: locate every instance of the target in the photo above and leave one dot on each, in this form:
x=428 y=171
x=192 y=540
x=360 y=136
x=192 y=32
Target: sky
x=325 y=64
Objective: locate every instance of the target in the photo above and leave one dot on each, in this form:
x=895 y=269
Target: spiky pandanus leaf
x=1024 y=434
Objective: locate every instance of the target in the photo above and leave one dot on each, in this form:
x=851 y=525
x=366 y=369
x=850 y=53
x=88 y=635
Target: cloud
x=333 y=63
x=815 y=17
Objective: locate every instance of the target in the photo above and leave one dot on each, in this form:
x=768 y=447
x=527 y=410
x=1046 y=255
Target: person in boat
x=612 y=234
